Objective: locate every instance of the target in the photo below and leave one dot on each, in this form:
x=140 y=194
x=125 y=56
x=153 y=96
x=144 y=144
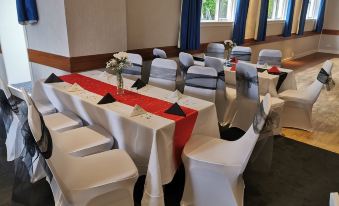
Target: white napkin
x=75 y=88
x=176 y=95
x=137 y=110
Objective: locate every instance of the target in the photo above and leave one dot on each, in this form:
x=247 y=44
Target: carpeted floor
x=301 y=175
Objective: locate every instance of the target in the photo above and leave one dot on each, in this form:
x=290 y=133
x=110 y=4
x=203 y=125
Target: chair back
x=201 y=82
x=248 y=97
x=270 y=57
x=334 y=199
x=135 y=70
x=312 y=92
x=242 y=53
x=163 y=74
x=186 y=61
x=159 y=53
x=215 y=50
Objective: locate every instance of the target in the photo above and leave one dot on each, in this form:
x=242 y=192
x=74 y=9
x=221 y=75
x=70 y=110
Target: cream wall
x=96 y=27
x=330 y=43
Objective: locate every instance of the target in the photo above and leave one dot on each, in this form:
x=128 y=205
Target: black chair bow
x=326 y=79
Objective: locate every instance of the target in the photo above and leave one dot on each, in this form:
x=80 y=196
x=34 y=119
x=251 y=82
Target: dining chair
x=163 y=74
x=186 y=61
x=201 y=82
x=134 y=71
x=159 y=53
x=214 y=167
x=242 y=53
x=299 y=103
x=215 y=50
x=220 y=99
x=270 y=57
x=334 y=199
x=105 y=178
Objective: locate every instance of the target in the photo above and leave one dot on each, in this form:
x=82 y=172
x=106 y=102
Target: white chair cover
x=242 y=53
x=163 y=74
x=220 y=99
x=134 y=71
x=159 y=53
x=214 y=167
x=334 y=199
x=215 y=50
x=299 y=103
x=186 y=61
x=270 y=57
x=201 y=82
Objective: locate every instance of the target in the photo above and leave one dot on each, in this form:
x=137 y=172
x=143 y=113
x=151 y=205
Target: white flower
x=121 y=55
x=228 y=42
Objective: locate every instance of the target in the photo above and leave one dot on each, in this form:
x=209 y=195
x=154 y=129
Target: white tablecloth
x=148 y=139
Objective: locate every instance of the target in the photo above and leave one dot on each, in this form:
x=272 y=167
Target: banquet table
x=153 y=140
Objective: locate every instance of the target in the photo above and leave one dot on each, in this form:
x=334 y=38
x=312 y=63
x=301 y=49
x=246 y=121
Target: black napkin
x=138 y=84
x=198 y=59
x=323 y=76
x=260 y=70
x=107 y=99
x=53 y=79
x=176 y=110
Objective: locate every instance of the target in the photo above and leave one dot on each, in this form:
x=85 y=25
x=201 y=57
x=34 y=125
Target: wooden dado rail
x=83 y=63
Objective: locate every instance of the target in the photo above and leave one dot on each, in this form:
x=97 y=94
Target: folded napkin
x=234 y=60
x=200 y=59
x=137 y=110
x=274 y=69
x=261 y=70
x=175 y=95
x=234 y=67
x=53 y=79
x=138 y=84
x=175 y=109
x=75 y=88
x=108 y=98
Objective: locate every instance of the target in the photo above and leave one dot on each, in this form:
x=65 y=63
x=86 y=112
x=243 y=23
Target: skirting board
x=329 y=51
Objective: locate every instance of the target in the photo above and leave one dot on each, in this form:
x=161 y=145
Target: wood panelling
x=330 y=32
x=83 y=63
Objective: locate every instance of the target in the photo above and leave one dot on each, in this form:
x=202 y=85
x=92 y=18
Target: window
x=312 y=10
x=276 y=9
x=217 y=10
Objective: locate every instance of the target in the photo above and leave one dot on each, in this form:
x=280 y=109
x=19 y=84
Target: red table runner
x=183 y=125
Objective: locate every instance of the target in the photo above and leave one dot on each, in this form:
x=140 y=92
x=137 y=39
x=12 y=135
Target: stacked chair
x=82 y=175
x=299 y=103
x=214 y=167
x=242 y=53
x=201 y=82
x=270 y=57
x=134 y=71
x=159 y=53
x=215 y=50
x=163 y=74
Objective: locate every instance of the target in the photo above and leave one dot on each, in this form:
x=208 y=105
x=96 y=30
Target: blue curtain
x=320 y=18
x=261 y=33
x=240 y=21
x=27 y=11
x=190 y=24
x=303 y=17
x=289 y=18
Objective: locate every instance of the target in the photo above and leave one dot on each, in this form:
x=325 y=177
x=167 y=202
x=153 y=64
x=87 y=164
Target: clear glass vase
x=120 y=84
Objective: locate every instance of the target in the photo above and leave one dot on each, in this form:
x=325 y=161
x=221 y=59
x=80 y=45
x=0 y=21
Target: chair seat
x=85 y=141
x=61 y=122
x=45 y=109
x=213 y=151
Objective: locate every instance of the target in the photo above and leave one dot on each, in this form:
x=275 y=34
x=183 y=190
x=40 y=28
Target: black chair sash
x=6 y=112
x=282 y=77
x=326 y=79
x=201 y=81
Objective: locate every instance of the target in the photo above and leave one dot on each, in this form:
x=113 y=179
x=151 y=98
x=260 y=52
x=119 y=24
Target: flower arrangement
x=115 y=66
x=229 y=45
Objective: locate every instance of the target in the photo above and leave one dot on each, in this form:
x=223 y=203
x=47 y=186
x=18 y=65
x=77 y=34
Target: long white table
x=147 y=138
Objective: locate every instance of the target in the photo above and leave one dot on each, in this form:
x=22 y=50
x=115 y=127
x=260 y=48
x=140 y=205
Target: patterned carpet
x=325 y=119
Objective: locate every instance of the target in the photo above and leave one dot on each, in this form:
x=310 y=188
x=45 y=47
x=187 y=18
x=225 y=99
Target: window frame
x=230 y=13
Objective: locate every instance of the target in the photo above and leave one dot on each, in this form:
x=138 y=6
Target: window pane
x=223 y=9
x=208 y=9
x=271 y=5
